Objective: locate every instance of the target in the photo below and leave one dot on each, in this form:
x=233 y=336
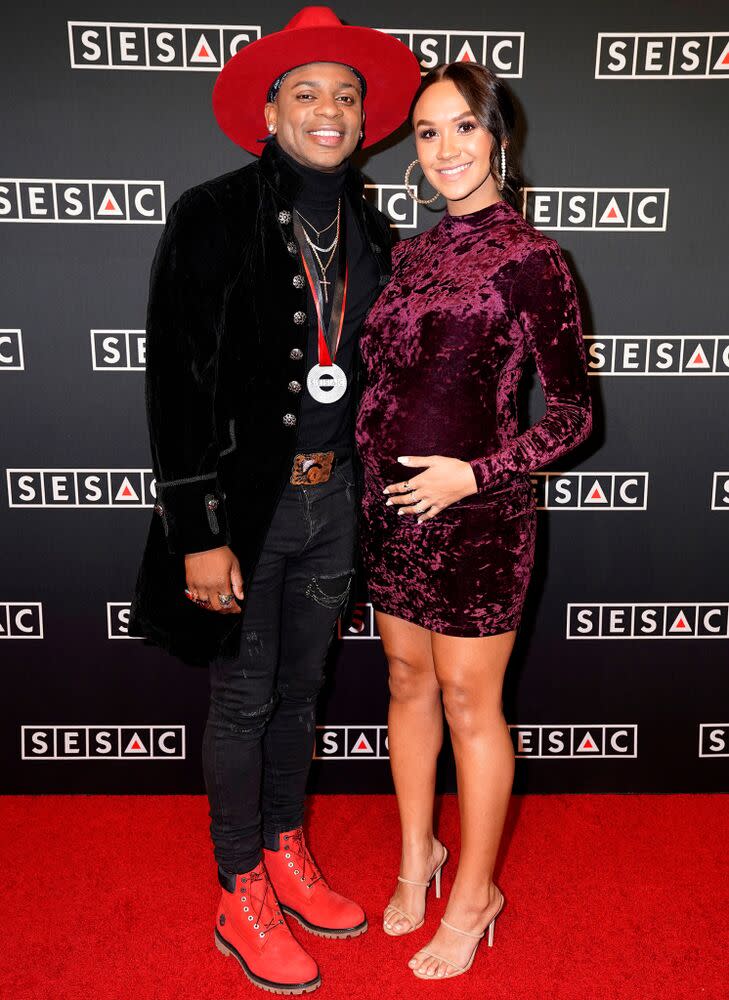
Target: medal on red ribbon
x=326 y=381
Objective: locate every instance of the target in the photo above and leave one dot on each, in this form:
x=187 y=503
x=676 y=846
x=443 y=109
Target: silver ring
x=225 y=599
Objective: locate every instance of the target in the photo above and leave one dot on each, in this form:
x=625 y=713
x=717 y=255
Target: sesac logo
x=632 y=210
x=714 y=739
x=121 y=45
x=351 y=743
x=501 y=51
x=42 y=200
x=103 y=742
x=656 y=55
x=720 y=491
x=394 y=201
x=118 y=350
x=545 y=742
x=590 y=490
x=657 y=355
x=81 y=488
x=11 y=351
x=362 y=625
x=571 y=742
x=648 y=621
x=117 y=620
x=21 y=620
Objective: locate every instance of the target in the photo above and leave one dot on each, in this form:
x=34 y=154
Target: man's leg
x=249 y=923
x=315 y=590
x=242 y=698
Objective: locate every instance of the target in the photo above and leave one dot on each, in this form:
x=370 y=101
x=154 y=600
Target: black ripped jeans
x=259 y=736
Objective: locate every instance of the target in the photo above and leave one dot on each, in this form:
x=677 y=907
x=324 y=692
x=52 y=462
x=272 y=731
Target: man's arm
x=183 y=328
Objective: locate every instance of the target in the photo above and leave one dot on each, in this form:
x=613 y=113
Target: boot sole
x=327 y=932
x=289 y=989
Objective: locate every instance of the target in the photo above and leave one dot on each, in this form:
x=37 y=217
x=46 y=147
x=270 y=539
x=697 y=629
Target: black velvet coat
x=224 y=291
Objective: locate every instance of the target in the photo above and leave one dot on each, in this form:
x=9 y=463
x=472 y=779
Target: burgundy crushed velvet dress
x=444 y=347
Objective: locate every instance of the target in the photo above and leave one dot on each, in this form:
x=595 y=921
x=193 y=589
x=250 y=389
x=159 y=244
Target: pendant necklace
x=317 y=250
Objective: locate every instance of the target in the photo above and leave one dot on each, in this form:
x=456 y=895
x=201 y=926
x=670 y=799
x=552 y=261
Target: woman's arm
x=544 y=301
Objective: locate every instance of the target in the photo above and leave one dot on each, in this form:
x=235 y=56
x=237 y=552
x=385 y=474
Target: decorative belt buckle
x=312 y=469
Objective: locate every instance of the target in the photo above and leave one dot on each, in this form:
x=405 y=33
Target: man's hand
x=444 y=481
x=211 y=573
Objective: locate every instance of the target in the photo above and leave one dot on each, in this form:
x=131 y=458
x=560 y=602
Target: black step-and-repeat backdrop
x=619 y=681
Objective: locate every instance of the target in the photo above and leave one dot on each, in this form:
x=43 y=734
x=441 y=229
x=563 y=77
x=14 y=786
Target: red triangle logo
x=135 y=745
x=587 y=745
x=680 y=623
x=596 y=494
x=698 y=359
x=109 y=205
x=362 y=745
x=612 y=213
x=126 y=491
x=203 y=52
x=466 y=54
x=723 y=61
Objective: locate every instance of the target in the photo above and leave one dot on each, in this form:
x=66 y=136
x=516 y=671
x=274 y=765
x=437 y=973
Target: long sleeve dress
x=444 y=349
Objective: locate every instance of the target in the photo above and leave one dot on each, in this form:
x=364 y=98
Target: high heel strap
x=458 y=930
x=436 y=871
x=409 y=881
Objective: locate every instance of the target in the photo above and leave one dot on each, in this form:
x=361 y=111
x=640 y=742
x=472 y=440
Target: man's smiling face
x=317 y=114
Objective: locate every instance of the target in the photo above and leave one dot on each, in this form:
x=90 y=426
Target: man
x=259 y=285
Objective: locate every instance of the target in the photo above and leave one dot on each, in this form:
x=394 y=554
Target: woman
x=448 y=541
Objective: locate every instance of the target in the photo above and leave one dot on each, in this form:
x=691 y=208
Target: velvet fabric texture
x=445 y=346
x=226 y=283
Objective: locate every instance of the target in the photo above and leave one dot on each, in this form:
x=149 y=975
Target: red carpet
x=608 y=896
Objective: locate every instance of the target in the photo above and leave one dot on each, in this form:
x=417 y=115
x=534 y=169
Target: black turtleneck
x=328 y=426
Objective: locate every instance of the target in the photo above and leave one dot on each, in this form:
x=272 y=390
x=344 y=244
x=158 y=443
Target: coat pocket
x=231 y=435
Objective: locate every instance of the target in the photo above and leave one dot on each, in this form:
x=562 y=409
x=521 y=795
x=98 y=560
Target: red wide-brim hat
x=315 y=34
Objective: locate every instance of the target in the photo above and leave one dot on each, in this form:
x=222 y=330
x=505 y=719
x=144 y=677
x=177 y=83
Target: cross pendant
x=324 y=284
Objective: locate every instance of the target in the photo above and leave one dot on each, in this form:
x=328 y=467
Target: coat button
x=292 y=248
x=294 y=386
x=289 y=420
x=298 y=281
x=284 y=217
x=296 y=354
x=299 y=317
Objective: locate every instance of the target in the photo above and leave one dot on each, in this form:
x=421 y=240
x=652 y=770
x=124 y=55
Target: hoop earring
x=406 y=181
x=502 y=181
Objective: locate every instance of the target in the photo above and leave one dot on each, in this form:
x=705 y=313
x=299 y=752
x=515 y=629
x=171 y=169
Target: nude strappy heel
x=460 y=969
x=414 y=925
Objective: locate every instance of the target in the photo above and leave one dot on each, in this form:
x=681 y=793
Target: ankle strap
x=458 y=930
x=409 y=881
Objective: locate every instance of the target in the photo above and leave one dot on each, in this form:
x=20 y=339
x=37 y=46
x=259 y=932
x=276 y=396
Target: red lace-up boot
x=251 y=927
x=304 y=894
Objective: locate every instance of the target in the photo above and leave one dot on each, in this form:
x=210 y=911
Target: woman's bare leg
x=415 y=726
x=470 y=673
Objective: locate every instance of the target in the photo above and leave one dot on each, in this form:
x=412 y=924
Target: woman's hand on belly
x=444 y=481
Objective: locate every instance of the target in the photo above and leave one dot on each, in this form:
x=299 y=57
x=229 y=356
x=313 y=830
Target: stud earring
x=271 y=127
x=502 y=181
x=406 y=181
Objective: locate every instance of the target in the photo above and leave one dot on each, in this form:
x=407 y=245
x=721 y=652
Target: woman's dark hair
x=492 y=107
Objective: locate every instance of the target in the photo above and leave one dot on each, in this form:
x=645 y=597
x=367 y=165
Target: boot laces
x=263 y=894
x=307 y=862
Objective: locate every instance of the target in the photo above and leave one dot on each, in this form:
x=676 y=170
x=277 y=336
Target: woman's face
x=453 y=149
